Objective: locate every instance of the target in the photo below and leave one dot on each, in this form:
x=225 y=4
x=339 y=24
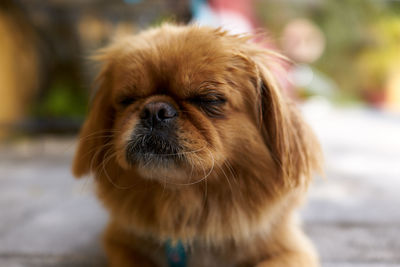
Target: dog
x=197 y=154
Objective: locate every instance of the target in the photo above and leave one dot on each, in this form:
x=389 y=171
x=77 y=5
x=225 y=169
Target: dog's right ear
x=292 y=144
x=96 y=132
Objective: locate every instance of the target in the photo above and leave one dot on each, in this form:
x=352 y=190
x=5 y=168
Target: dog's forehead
x=179 y=64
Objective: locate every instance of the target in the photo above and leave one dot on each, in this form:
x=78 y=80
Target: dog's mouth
x=153 y=149
x=161 y=155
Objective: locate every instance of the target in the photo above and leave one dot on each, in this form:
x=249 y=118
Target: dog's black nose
x=155 y=113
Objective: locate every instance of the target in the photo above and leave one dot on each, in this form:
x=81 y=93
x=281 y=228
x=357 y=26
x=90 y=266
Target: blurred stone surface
x=47 y=218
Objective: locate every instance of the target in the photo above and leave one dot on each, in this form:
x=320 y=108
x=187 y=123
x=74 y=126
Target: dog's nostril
x=166 y=113
x=158 y=112
x=145 y=114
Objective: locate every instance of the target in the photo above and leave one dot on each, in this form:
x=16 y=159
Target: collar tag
x=176 y=254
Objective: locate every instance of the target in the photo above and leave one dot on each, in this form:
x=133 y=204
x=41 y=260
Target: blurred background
x=345 y=75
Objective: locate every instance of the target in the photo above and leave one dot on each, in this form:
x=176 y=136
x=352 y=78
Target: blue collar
x=176 y=254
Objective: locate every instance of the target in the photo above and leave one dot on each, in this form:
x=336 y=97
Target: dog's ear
x=291 y=142
x=96 y=131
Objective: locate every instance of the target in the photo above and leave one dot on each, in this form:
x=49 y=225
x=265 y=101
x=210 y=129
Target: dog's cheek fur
x=197 y=134
x=124 y=125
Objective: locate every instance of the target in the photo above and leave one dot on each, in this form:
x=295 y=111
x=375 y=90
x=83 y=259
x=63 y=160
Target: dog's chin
x=155 y=158
x=161 y=167
x=172 y=175
x=171 y=171
x=150 y=159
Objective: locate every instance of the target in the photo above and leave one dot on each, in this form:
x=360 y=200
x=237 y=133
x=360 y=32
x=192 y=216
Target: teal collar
x=176 y=254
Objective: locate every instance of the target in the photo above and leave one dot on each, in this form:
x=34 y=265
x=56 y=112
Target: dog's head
x=177 y=103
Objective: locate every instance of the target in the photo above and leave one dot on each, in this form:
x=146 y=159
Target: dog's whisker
x=96 y=150
x=176 y=154
x=84 y=138
x=104 y=169
x=191 y=169
x=205 y=181
x=98 y=134
x=226 y=177
x=231 y=170
x=203 y=178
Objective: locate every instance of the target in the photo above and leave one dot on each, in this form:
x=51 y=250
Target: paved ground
x=353 y=215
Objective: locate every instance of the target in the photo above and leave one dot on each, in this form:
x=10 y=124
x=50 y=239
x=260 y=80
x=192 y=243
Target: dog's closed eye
x=125 y=100
x=210 y=103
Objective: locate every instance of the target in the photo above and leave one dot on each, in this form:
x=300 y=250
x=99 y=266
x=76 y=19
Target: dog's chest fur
x=211 y=247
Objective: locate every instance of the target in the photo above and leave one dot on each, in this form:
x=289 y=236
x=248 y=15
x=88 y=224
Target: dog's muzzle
x=154 y=140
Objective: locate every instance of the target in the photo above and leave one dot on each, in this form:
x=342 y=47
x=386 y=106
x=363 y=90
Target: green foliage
x=63 y=99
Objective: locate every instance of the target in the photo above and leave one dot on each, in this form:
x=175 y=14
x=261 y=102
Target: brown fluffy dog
x=192 y=142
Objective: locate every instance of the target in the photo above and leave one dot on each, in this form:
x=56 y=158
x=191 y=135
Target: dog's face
x=177 y=103
x=173 y=102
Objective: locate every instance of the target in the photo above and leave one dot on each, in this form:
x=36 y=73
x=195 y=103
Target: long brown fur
x=247 y=169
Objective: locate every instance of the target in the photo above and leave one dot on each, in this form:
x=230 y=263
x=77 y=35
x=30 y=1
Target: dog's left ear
x=291 y=142
x=96 y=132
